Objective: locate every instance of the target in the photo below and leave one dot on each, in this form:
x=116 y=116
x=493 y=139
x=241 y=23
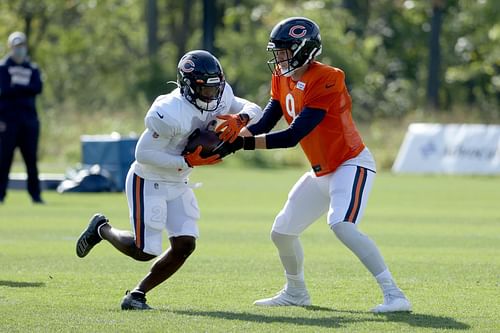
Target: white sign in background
x=450 y=149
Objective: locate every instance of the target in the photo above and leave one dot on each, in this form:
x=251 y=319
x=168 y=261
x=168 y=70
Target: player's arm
x=150 y=148
x=305 y=122
x=245 y=108
x=271 y=115
x=150 y=151
x=301 y=126
x=241 y=113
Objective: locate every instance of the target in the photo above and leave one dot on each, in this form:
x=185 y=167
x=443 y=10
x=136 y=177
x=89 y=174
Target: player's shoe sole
x=283 y=298
x=90 y=237
x=134 y=302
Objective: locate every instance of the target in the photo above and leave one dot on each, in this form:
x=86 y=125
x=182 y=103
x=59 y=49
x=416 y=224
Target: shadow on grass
x=17 y=284
x=335 y=321
x=424 y=320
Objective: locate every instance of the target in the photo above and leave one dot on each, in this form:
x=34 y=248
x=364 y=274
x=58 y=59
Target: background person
x=20 y=83
x=313 y=99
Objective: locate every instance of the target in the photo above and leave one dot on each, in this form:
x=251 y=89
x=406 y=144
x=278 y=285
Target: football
x=208 y=140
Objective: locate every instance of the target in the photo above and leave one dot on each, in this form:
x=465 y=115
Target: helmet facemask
x=206 y=96
x=296 y=56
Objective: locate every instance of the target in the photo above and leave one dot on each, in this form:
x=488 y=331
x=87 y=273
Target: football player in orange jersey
x=315 y=102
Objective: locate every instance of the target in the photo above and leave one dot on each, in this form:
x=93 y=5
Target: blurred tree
x=209 y=15
x=472 y=47
x=118 y=54
x=152 y=27
x=434 y=54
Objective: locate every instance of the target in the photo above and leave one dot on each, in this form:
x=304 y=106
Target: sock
x=138 y=292
x=387 y=283
x=292 y=259
x=290 y=252
x=99 y=230
x=295 y=283
x=385 y=275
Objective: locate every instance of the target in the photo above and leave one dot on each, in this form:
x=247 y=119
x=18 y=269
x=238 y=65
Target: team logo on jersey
x=187 y=66
x=297 y=31
x=156 y=135
x=301 y=85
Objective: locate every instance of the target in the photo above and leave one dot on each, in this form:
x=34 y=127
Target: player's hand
x=229 y=147
x=231 y=126
x=241 y=142
x=194 y=159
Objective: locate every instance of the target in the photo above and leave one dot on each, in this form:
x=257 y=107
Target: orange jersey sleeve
x=336 y=138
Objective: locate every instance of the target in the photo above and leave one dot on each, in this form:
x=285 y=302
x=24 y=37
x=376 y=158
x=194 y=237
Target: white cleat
x=283 y=298
x=393 y=303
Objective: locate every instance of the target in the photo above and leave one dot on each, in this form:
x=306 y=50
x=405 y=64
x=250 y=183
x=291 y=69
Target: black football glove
x=241 y=142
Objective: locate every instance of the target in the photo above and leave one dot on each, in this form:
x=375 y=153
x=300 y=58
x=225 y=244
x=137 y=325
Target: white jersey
x=169 y=122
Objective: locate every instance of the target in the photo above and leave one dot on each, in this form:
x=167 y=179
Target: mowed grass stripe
x=439 y=235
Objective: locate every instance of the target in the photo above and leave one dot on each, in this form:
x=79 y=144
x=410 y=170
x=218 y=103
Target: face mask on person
x=19 y=53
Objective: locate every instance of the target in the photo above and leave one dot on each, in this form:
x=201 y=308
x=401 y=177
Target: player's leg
x=142 y=206
x=123 y=241
x=307 y=201
x=182 y=214
x=349 y=190
x=182 y=217
x=168 y=263
x=164 y=267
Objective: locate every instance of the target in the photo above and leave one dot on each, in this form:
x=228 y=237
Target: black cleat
x=90 y=237
x=134 y=301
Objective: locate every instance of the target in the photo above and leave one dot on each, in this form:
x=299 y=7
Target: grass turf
x=440 y=237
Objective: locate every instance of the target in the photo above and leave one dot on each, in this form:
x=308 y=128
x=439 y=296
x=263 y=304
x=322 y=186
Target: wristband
x=249 y=142
x=245 y=118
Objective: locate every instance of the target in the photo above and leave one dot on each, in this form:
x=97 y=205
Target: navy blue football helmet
x=201 y=79
x=301 y=37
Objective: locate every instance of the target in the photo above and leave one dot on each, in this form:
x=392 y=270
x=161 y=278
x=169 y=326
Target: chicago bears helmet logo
x=297 y=31
x=187 y=66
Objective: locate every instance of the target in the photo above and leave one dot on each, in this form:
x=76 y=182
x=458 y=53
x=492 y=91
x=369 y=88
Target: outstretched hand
x=231 y=126
x=194 y=159
x=228 y=148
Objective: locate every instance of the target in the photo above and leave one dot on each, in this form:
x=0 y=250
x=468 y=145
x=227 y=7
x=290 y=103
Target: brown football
x=209 y=140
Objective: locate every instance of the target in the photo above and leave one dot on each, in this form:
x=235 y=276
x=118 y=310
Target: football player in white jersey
x=159 y=196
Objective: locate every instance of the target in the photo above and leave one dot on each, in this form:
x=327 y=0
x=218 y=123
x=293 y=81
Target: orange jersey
x=335 y=139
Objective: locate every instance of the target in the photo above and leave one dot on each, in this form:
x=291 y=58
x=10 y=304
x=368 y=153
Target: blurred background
x=104 y=62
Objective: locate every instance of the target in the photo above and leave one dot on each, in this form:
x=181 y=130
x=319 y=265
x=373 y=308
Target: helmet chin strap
x=290 y=73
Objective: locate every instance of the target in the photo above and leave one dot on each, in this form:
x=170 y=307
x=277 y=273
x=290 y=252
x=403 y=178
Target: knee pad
x=361 y=245
x=344 y=229
x=281 y=239
x=351 y=237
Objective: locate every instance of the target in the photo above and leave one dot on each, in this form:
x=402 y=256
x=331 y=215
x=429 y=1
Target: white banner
x=450 y=149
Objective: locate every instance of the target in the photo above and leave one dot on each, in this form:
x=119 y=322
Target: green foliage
x=440 y=241
x=95 y=59
x=473 y=71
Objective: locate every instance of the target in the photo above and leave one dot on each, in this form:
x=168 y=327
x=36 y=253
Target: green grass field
x=439 y=235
